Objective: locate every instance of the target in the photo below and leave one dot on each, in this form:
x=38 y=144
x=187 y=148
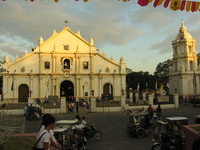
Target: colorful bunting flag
x=188 y=5
x=197 y=6
x=166 y=3
x=175 y=5
x=193 y=6
x=183 y=5
x=155 y=3
x=143 y=2
x=160 y=2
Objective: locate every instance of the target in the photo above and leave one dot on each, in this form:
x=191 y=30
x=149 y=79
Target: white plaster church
x=184 y=77
x=65 y=65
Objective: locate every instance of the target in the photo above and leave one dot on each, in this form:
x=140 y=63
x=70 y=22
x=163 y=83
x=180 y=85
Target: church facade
x=65 y=65
x=184 y=77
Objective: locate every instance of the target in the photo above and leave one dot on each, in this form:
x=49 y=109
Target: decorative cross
x=122 y=91
x=30 y=93
x=66 y=21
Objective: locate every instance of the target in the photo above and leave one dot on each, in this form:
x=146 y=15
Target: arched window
x=66 y=64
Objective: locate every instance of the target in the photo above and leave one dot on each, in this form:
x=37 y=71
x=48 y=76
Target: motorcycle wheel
x=97 y=135
x=33 y=117
x=157 y=147
x=140 y=132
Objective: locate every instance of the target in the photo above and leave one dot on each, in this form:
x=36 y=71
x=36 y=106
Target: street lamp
x=83 y=89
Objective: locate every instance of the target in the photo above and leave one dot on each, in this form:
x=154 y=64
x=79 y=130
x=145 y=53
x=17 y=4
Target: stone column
x=123 y=102
x=176 y=101
x=131 y=97
x=136 y=97
x=150 y=99
x=93 y=105
x=144 y=97
x=63 y=105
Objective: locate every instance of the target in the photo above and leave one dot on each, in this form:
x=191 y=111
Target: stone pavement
x=113 y=127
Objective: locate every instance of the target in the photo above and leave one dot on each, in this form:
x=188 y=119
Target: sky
x=142 y=35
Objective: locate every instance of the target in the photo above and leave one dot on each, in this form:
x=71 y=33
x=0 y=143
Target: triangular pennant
x=183 y=5
x=188 y=5
x=193 y=6
x=155 y=4
x=85 y=1
x=175 y=5
x=56 y=1
x=143 y=2
x=166 y=4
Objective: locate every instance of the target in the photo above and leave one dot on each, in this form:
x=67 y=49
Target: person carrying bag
x=34 y=147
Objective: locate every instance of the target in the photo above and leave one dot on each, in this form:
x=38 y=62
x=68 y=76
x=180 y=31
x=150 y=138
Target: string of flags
x=175 y=5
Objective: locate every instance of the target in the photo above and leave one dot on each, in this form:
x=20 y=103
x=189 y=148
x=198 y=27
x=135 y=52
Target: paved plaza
x=113 y=126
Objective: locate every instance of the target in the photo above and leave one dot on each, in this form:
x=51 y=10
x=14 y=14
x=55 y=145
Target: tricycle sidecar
x=139 y=124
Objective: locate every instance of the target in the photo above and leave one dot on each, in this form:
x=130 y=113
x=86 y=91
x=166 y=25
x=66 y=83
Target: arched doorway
x=23 y=93
x=108 y=90
x=67 y=90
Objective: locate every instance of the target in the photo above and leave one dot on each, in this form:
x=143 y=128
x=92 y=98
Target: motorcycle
x=91 y=133
x=167 y=142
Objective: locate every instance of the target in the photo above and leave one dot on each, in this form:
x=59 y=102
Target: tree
x=162 y=71
x=144 y=79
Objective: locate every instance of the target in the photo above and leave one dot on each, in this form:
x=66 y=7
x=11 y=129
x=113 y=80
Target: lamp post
x=83 y=89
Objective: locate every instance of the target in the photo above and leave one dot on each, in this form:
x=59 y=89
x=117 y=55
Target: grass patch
x=19 y=143
x=196 y=128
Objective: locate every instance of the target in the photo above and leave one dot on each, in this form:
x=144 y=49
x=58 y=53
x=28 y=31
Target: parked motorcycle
x=167 y=142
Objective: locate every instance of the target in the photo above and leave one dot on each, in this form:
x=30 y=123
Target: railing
x=10 y=124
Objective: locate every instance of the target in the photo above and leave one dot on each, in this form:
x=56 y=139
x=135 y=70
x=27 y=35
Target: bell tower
x=184 y=76
x=184 y=51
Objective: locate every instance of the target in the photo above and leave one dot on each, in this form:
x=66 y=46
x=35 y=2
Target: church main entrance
x=108 y=90
x=67 y=90
x=23 y=93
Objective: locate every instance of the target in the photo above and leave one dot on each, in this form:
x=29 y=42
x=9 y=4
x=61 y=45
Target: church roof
x=183 y=34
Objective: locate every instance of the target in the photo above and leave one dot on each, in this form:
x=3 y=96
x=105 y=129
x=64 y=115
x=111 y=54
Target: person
x=69 y=106
x=84 y=123
x=77 y=107
x=72 y=110
x=25 y=110
x=45 y=141
x=150 y=110
x=88 y=107
x=78 y=125
x=158 y=112
x=154 y=115
x=54 y=142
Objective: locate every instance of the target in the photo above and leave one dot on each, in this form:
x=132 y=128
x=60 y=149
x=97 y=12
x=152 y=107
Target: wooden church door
x=23 y=93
